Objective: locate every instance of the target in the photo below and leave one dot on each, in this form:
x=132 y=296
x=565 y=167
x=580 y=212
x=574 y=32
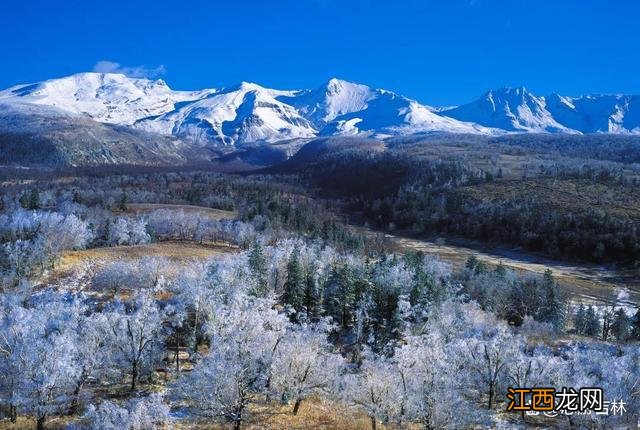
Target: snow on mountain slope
x=597 y=113
x=511 y=109
x=105 y=97
x=341 y=107
x=334 y=98
x=250 y=113
x=245 y=113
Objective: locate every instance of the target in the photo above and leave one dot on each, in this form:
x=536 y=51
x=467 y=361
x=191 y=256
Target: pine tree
x=258 y=267
x=312 y=297
x=554 y=305
x=621 y=325
x=580 y=319
x=122 y=203
x=635 y=326
x=30 y=200
x=340 y=295
x=294 y=285
x=471 y=263
x=592 y=322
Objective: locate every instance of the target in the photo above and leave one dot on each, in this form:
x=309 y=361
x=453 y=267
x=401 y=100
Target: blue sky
x=438 y=52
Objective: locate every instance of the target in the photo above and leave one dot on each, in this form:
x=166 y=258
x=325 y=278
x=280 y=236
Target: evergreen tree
x=621 y=325
x=258 y=266
x=340 y=295
x=481 y=268
x=471 y=263
x=476 y=266
x=580 y=319
x=30 y=200
x=592 y=322
x=122 y=203
x=500 y=270
x=553 y=306
x=294 y=285
x=635 y=326
x=312 y=297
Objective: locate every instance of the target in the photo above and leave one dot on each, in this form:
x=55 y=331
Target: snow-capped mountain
x=341 y=107
x=511 y=109
x=518 y=110
x=597 y=113
x=244 y=113
x=105 y=97
x=331 y=100
x=251 y=113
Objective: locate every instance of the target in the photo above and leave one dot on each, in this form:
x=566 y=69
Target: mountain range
x=116 y=115
x=249 y=112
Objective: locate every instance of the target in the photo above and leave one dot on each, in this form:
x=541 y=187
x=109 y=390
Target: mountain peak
x=508 y=92
x=335 y=86
x=511 y=109
x=245 y=86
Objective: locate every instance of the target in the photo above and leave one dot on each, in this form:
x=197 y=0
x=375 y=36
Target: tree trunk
x=40 y=422
x=374 y=424
x=237 y=424
x=75 y=402
x=13 y=413
x=177 y=357
x=296 y=406
x=134 y=375
x=194 y=338
x=491 y=395
x=267 y=385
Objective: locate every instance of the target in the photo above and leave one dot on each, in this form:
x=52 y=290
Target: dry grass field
x=313 y=414
x=73 y=264
x=211 y=213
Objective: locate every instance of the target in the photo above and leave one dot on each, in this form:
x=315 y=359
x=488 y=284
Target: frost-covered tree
x=15 y=337
x=92 y=353
x=136 y=335
x=304 y=364
x=429 y=383
x=198 y=292
x=488 y=360
x=227 y=380
x=136 y=414
x=375 y=389
x=39 y=355
x=128 y=231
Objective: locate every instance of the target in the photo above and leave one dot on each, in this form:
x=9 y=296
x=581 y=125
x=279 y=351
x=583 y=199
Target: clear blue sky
x=438 y=52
